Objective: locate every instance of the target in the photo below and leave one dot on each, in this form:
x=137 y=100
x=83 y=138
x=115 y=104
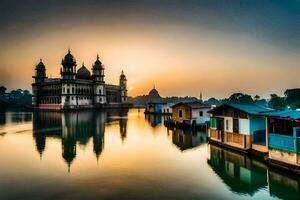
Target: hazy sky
x=182 y=46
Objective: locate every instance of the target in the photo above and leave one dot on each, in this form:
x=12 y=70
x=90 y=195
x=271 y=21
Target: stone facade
x=77 y=89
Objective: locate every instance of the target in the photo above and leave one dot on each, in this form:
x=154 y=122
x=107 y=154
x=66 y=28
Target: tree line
x=15 y=98
x=290 y=100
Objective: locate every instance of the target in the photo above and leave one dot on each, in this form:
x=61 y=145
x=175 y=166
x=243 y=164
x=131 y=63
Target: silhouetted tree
x=212 y=101
x=259 y=101
x=240 y=98
x=17 y=98
x=2 y=90
x=276 y=102
x=292 y=98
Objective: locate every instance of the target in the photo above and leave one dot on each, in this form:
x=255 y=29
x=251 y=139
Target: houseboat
x=190 y=113
x=167 y=108
x=154 y=107
x=283 y=133
x=239 y=126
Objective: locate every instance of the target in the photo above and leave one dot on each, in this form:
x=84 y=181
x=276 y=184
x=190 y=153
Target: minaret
x=40 y=72
x=99 y=83
x=200 y=97
x=98 y=71
x=68 y=71
x=68 y=74
x=39 y=78
x=123 y=86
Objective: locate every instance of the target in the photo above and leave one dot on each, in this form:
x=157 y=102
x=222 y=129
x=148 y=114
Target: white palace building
x=77 y=89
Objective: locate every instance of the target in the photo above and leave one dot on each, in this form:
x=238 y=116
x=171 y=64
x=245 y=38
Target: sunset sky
x=182 y=46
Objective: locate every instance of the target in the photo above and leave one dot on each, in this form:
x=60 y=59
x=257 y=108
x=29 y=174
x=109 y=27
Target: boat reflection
x=246 y=175
x=154 y=120
x=76 y=128
x=282 y=185
x=188 y=139
x=239 y=172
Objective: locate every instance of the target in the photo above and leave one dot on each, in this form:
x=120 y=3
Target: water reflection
x=284 y=186
x=76 y=128
x=140 y=159
x=188 y=139
x=239 y=172
x=2 y=119
x=15 y=118
x=183 y=139
x=246 y=175
x=154 y=120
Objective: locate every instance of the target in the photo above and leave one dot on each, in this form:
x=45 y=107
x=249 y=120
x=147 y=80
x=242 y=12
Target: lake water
x=125 y=155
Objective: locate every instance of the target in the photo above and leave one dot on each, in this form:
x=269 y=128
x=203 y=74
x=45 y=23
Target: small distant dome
x=83 y=73
x=69 y=58
x=40 y=65
x=154 y=93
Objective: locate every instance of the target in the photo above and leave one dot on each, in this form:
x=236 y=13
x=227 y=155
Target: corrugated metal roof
x=194 y=104
x=248 y=108
x=156 y=102
x=289 y=114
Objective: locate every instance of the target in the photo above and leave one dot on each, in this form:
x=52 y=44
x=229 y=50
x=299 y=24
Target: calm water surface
x=124 y=155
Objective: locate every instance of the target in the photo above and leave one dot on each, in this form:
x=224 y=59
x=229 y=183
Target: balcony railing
x=232 y=139
x=283 y=142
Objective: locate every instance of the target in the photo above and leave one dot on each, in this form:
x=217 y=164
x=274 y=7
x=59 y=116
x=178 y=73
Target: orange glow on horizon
x=180 y=63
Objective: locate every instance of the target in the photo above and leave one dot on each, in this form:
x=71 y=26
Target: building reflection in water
x=238 y=171
x=154 y=120
x=188 y=139
x=284 y=186
x=76 y=128
x=246 y=175
x=119 y=116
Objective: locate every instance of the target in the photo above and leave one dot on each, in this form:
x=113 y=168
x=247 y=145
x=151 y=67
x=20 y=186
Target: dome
x=98 y=62
x=69 y=58
x=154 y=93
x=83 y=73
x=40 y=65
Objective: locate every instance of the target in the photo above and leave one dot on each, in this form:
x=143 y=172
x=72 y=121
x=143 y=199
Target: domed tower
x=40 y=72
x=123 y=86
x=99 y=84
x=39 y=78
x=98 y=71
x=68 y=71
